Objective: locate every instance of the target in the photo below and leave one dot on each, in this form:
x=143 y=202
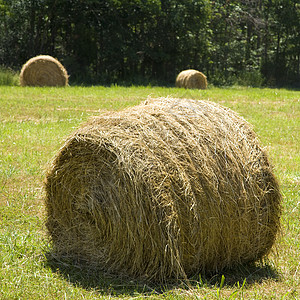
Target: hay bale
x=43 y=70
x=191 y=79
x=163 y=190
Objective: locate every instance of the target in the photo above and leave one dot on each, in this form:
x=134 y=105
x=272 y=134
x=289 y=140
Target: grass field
x=35 y=122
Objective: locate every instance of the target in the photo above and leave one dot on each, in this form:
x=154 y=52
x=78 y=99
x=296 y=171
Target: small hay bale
x=166 y=189
x=191 y=79
x=43 y=70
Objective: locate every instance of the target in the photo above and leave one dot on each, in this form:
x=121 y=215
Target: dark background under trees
x=150 y=41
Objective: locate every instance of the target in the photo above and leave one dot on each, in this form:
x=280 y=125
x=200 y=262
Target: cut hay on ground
x=43 y=70
x=191 y=79
x=167 y=189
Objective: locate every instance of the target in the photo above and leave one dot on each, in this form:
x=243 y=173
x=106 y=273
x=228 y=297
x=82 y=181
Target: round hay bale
x=167 y=189
x=43 y=70
x=191 y=79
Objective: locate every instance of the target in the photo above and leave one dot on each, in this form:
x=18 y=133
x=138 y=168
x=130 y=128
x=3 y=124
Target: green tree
x=140 y=41
x=281 y=62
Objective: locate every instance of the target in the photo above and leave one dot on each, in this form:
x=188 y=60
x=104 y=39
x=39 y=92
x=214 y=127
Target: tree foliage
x=140 y=41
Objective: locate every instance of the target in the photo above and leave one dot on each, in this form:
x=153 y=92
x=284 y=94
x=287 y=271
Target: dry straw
x=191 y=79
x=43 y=70
x=167 y=189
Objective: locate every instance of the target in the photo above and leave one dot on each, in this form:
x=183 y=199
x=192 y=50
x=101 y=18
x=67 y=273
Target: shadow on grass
x=82 y=275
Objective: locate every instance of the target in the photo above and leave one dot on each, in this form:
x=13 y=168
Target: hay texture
x=163 y=190
x=43 y=70
x=191 y=79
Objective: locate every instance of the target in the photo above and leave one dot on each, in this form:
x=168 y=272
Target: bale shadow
x=240 y=275
x=82 y=275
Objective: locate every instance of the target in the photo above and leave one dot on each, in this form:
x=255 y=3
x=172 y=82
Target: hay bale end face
x=191 y=79
x=43 y=70
x=167 y=189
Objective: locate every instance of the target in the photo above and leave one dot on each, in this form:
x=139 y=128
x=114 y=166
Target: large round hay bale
x=163 y=190
x=43 y=70
x=191 y=79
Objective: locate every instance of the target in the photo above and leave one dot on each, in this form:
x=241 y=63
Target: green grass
x=8 y=77
x=35 y=122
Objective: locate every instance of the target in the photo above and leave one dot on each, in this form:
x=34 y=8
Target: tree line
x=251 y=42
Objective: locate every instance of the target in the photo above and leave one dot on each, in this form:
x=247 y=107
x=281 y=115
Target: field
x=35 y=122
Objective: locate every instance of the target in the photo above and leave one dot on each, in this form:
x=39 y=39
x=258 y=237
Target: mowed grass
x=34 y=124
